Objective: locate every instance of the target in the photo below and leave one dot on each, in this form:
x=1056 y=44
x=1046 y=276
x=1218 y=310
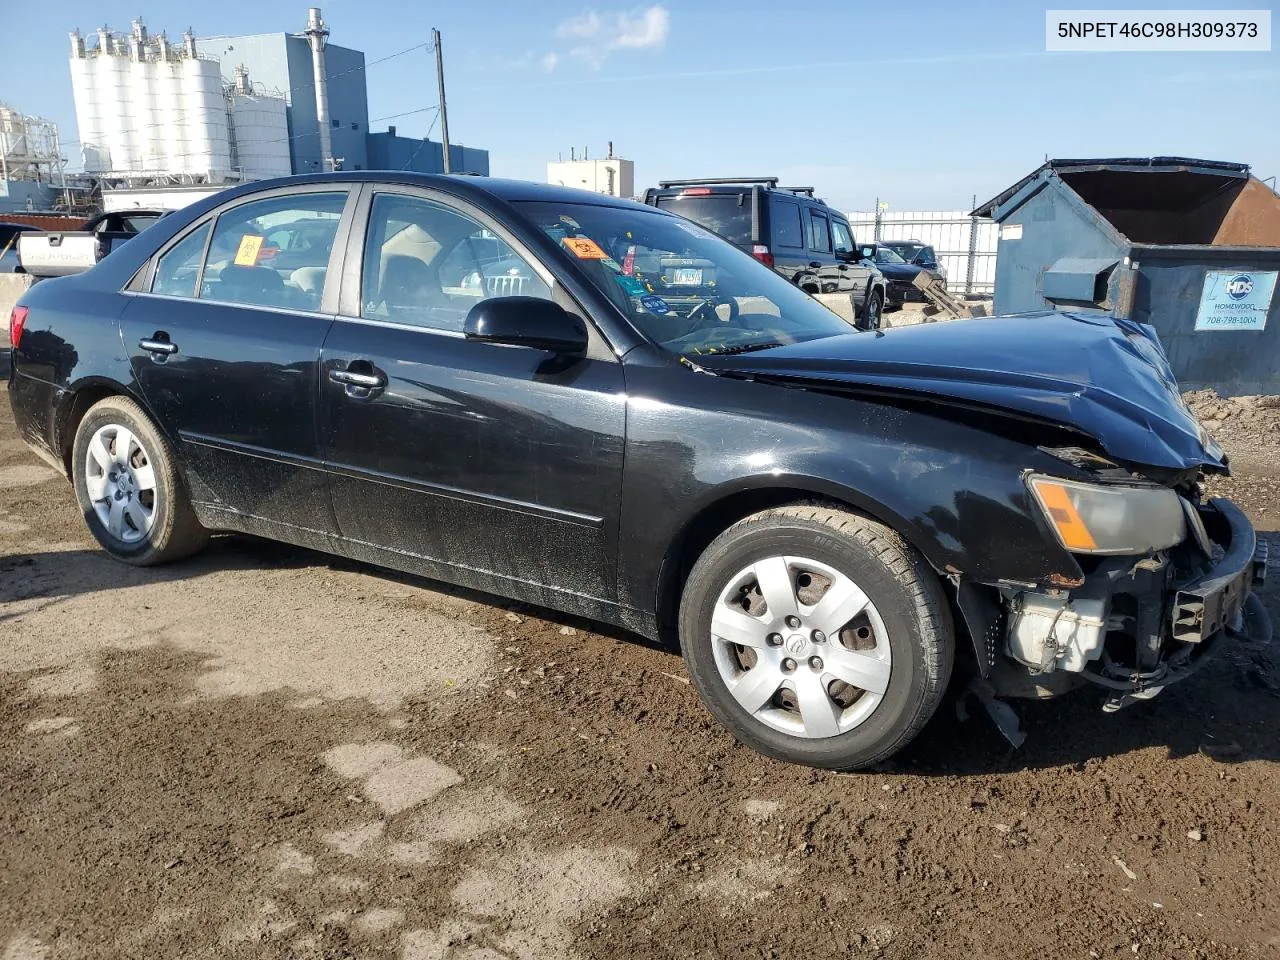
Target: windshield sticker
x=655 y=305
x=565 y=218
x=584 y=248
x=612 y=264
x=631 y=286
x=247 y=252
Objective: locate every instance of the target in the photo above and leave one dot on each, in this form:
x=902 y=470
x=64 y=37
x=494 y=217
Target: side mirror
x=526 y=322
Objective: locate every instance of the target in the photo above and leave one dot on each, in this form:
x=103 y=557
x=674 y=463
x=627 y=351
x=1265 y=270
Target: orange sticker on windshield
x=584 y=248
x=247 y=252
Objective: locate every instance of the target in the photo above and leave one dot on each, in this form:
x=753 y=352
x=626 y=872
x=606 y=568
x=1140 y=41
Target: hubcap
x=121 y=483
x=800 y=647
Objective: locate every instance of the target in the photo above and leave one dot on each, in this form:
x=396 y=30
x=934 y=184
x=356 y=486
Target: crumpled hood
x=1105 y=377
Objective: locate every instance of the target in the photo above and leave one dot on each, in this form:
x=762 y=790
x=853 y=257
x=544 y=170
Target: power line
x=289 y=92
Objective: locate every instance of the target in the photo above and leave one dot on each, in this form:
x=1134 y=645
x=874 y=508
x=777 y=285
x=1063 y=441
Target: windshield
x=728 y=214
x=682 y=286
x=907 y=251
x=885 y=255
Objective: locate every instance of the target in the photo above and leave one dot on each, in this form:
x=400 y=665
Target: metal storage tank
x=1191 y=247
x=206 y=118
x=261 y=128
x=88 y=112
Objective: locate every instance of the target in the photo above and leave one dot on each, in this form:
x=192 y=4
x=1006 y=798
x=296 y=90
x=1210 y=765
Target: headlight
x=1091 y=518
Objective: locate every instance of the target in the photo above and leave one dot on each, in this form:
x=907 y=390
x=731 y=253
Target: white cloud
x=549 y=61
x=601 y=34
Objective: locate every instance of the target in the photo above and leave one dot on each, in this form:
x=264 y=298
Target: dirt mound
x=1249 y=418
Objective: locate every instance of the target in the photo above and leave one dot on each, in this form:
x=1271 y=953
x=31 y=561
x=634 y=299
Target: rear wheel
x=816 y=636
x=129 y=490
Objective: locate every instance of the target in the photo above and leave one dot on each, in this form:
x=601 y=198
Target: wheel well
x=84 y=398
x=705 y=527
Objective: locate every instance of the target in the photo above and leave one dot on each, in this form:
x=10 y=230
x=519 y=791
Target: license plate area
x=686 y=277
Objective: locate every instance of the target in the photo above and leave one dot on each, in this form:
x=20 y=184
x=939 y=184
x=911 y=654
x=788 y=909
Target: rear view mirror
x=526 y=322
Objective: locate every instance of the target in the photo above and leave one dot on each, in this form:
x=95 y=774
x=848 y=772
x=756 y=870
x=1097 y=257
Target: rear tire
x=793 y=683
x=130 y=493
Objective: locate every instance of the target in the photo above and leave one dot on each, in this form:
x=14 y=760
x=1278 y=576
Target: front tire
x=130 y=494
x=816 y=636
x=872 y=311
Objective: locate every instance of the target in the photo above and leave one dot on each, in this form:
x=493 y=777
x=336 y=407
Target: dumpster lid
x=1135 y=167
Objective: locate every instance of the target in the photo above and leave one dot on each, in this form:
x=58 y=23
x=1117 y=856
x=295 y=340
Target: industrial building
x=218 y=110
x=30 y=162
x=609 y=175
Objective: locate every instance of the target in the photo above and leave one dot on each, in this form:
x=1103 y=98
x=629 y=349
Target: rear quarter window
x=788 y=230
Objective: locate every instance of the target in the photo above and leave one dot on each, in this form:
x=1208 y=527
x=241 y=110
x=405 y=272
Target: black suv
x=786 y=228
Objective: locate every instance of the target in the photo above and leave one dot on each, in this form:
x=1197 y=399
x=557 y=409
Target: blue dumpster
x=1191 y=247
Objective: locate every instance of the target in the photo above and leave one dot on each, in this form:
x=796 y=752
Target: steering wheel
x=713 y=320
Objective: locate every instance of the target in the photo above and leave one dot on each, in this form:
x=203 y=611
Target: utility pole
x=444 y=112
x=317 y=34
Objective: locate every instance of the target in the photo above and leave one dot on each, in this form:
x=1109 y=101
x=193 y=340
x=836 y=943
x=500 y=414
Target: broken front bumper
x=1138 y=624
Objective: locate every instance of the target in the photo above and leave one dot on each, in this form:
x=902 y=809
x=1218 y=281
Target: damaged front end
x=1138 y=621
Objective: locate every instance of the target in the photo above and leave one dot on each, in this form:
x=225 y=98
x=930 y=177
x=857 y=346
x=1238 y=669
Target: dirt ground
x=266 y=752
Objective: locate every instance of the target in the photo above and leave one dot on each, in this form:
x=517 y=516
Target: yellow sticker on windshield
x=584 y=248
x=247 y=252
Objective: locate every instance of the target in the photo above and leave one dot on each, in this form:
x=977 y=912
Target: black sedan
x=898 y=274
x=656 y=431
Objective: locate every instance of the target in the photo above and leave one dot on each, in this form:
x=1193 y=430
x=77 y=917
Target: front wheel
x=872 y=311
x=816 y=636
x=129 y=490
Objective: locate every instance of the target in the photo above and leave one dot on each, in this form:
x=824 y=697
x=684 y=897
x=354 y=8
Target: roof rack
x=763 y=181
x=807 y=191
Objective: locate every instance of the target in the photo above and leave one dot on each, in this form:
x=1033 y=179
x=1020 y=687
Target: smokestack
x=318 y=34
x=610 y=157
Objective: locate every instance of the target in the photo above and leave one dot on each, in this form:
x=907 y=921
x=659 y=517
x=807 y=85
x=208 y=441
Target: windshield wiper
x=740 y=348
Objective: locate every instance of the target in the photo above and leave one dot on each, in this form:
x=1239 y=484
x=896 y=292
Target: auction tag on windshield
x=655 y=305
x=584 y=248
x=247 y=252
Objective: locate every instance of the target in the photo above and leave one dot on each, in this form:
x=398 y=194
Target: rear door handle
x=155 y=346
x=370 y=381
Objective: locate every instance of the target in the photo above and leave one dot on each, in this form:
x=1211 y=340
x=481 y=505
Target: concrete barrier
x=12 y=286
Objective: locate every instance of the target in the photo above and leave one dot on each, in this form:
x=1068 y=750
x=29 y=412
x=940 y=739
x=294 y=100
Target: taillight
x=761 y=253
x=17 y=319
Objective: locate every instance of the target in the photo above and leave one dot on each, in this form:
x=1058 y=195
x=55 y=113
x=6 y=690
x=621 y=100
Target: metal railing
x=965 y=245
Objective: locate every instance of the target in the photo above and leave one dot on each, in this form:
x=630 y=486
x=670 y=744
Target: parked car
x=826 y=521
x=9 y=233
x=786 y=228
x=56 y=253
x=920 y=255
x=899 y=275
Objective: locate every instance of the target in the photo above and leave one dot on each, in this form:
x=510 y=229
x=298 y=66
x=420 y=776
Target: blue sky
x=922 y=104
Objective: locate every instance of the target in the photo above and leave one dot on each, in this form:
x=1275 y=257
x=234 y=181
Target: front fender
x=953 y=491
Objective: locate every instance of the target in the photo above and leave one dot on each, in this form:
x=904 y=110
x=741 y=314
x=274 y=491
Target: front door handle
x=369 y=381
x=158 y=346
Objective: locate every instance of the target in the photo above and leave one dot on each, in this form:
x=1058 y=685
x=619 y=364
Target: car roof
x=460 y=184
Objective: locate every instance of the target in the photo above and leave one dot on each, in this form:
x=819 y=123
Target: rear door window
x=819 y=232
x=273 y=252
x=728 y=214
x=788 y=230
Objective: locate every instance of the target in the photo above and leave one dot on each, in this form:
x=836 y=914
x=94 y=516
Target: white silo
x=114 y=89
x=205 y=115
x=261 y=129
